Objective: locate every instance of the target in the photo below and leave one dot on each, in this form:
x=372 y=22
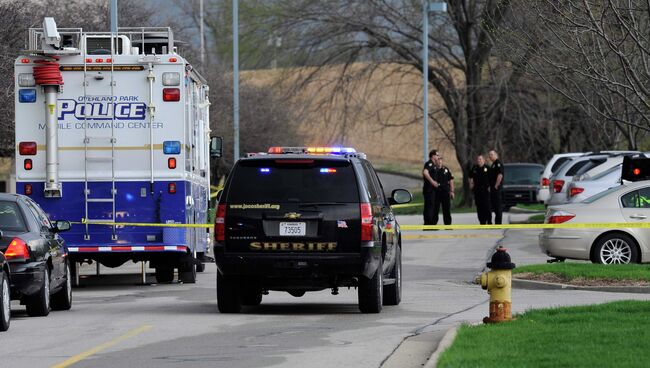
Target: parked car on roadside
x=544 y=192
x=37 y=258
x=5 y=293
x=573 y=167
x=619 y=204
x=520 y=184
x=580 y=190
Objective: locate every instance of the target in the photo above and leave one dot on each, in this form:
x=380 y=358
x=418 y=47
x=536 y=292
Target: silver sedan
x=624 y=203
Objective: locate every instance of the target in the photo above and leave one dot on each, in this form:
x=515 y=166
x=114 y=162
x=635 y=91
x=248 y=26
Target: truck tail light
x=574 y=191
x=171 y=94
x=28 y=164
x=220 y=223
x=545 y=182
x=17 y=250
x=559 y=217
x=171 y=163
x=171 y=188
x=557 y=185
x=28 y=189
x=366 y=222
x=27 y=148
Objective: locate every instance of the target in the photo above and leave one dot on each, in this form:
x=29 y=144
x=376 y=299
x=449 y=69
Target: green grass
x=536 y=219
x=532 y=207
x=571 y=271
x=418 y=201
x=606 y=335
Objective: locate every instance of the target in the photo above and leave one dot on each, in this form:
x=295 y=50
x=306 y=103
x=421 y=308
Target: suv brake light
x=17 y=250
x=560 y=217
x=574 y=191
x=220 y=223
x=545 y=182
x=557 y=185
x=366 y=222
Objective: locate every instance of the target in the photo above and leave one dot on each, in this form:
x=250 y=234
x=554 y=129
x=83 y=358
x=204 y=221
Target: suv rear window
x=300 y=180
x=560 y=161
x=577 y=166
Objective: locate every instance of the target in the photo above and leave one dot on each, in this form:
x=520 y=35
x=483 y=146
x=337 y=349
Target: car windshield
x=303 y=181
x=602 y=194
x=10 y=217
x=521 y=175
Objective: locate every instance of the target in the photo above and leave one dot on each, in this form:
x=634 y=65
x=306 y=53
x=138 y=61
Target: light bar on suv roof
x=312 y=150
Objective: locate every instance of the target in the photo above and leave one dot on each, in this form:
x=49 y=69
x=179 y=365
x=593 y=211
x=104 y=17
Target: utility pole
x=201 y=31
x=426 y=9
x=114 y=16
x=235 y=66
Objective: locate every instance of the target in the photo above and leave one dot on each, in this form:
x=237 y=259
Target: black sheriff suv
x=300 y=219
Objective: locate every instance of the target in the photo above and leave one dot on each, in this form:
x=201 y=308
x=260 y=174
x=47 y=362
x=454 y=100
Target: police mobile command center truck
x=114 y=127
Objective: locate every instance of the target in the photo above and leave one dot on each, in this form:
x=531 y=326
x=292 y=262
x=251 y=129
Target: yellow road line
x=88 y=353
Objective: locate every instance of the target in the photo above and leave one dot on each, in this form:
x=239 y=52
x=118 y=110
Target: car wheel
x=188 y=276
x=615 y=249
x=62 y=300
x=371 y=290
x=39 y=305
x=393 y=292
x=228 y=299
x=5 y=302
x=164 y=274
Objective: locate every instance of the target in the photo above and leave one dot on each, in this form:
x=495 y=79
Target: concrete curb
x=444 y=343
x=541 y=285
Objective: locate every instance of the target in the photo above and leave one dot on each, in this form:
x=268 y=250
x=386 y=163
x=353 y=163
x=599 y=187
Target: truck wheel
x=73 y=274
x=371 y=290
x=164 y=274
x=200 y=266
x=228 y=299
x=393 y=292
x=39 y=305
x=5 y=302
x=62 y=300
x=188 y=276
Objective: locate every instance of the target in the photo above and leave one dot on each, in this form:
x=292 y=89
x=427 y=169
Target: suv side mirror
x=400 y=196
x=61 y=226
x=216 y=147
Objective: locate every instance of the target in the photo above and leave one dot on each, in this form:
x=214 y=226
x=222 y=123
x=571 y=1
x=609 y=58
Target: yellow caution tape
x=596 y=225
x=143 y=224
x=450 y=236
x=406 y=205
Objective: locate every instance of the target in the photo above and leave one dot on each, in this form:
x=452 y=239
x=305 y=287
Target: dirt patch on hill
x=580 y=281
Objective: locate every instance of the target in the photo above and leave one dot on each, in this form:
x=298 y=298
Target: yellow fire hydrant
x=498 y=283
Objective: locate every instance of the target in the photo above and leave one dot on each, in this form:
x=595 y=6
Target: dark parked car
x=520 y=184
x=5 y=295
x=40 y=272
x=307 y=219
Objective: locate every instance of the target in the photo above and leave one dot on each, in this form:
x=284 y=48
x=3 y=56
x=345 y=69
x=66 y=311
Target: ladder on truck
x=99 y=163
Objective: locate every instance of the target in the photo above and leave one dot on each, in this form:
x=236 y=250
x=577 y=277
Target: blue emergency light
x=327 y=170
x=172 y=147
x=264 y=170
x=27 y=95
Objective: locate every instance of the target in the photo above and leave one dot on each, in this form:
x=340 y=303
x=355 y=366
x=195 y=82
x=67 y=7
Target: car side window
x=373 y=187
x=637 y=199
x=39 y=214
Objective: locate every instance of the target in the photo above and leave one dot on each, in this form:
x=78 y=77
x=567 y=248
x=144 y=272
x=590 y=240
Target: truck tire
x=228 y=298
x=200 y=266
x=393 y=292
x=188 y=276
x=62 y=300
x=5 y=302
x=164 y=274
x=38 y=305
x=371 y=290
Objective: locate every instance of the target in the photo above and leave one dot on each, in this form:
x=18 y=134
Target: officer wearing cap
x=496 y=184
x=444 y=193
x=479 y=183
x=429 y=188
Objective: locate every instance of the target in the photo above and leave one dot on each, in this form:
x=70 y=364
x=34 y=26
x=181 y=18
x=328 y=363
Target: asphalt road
x=115 y=322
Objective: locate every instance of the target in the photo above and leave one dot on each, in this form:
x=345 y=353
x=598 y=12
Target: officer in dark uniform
x=496 y=185
x=444 y=193
x=429 y=188
x=479 y=183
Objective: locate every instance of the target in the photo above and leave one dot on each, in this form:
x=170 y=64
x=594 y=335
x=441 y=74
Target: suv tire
x=62 y=300
x=228 y=298
x=393 y=292
x=371 y=291
x=38 y=305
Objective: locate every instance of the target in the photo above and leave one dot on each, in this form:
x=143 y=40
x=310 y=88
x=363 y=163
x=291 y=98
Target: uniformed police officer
x=444 y=193
x=496 y=184
x=429 y=188
x=479 y=183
